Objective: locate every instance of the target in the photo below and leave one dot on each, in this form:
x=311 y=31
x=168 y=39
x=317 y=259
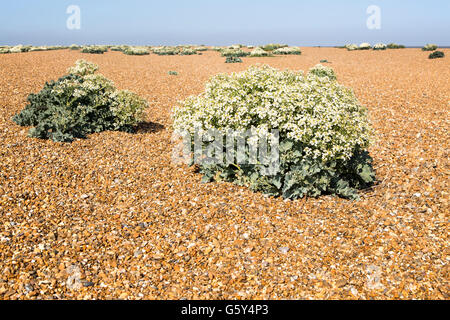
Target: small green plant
x=94 y=49
x=324 y=61
x=80 y=103
x=173 y=73
x=429 y=47
x=74 y=47
x=436 y=54
x=395 y=46
x=233 y=60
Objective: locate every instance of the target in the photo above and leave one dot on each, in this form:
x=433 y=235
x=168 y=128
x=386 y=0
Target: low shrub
x=233 y=60
x=323 y=131
x=379 y=46
x=273 y=46
x=436 y=54
x=288 y=50
x=172 y=73
x=94 y=49
x=352 y=47
x=187 y=52
x=78 y=104
x=323 y=71
x=233 y=53
x=259 y=52
x=165 y=51
x=136 y=51
x=395 y=46
x=74 y=47
x=364 y=46
x=429 y=47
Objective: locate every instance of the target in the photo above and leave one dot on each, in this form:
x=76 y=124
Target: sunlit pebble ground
x=112 y=217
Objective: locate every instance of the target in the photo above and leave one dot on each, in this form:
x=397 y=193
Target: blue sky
x=212 y=22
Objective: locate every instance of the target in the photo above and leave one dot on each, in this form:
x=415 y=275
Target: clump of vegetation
x=94 y=49
x=187 y=52
x=351 y=47
x=135 y=51
x=436 y=54
x=172 y=73
x=233 y=60
x=395 y=46
x=165 y=51
x=233 y=53
x=379 y=46
x=201 y=49
x=429 y=47
x=273 y=46
x=288 y=50
x=323 y=132
x=364 y=46
x=74 y=47
x=259 y=52
x=80 y=103
x=323 y=71
x=324 y=61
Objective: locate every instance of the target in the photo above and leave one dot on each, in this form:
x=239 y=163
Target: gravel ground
x=111 y=217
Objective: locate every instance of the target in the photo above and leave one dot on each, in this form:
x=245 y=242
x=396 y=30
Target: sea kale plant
x=429 y=47
x=364 y=46
x=379 y=46
x=317 y=130
x=436 y=54
x=136 y=51
x=233 y=60
x=94 y=49
x=259 y=52
x=323 y=71
x=80 y=103
x=288 y=50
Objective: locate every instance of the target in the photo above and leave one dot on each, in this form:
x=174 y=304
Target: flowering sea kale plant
x=259 y=52
x=379 y=46
x=429 y=47
x=80 y=103
x=288 y=50
x=364 y=46
x=323 y=71
x=309 y=128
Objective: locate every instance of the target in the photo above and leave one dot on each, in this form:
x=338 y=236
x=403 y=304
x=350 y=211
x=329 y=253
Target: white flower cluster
x=430 y=47
x=365 y=46
x=82 y=68
x=322 y=71
x=351 y=47
x=259 y=52
x=137 y=51
x=320 y=113
x=380 y=46
x=288 y=50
